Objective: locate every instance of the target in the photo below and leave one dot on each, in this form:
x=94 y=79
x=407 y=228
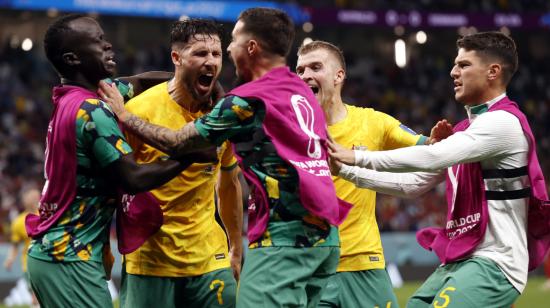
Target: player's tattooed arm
x=175 y=143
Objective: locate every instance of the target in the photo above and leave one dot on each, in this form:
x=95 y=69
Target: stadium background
x=417 y=93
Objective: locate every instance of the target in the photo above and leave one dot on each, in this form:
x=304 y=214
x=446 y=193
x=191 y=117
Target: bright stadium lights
x=421 y=37
x=26 y=45
x=307 y=27
x=400 y=53
x=306 y=41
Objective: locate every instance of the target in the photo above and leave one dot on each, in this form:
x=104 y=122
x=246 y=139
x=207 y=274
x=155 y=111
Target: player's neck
x=79 y=81
x=335 y=110
x=263 y=65
x=181 y=95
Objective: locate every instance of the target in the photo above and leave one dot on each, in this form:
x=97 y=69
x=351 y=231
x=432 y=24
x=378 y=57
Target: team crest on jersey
x=209 y=169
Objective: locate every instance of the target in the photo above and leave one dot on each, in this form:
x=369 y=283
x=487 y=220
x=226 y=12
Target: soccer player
x=186 y=263
x=87 y=161
x=497 y=217
x=279 y=135
x=31 y=197
x=362 y=280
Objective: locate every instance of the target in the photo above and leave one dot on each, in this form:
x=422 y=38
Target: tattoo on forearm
x=169 y=141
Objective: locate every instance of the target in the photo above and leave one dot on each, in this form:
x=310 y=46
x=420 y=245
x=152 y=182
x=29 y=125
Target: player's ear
x=176 y=58
x=252 y=47
x=495 y=71
x=70 y=59
x=340 y=76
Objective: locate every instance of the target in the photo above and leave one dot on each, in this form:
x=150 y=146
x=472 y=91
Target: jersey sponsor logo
x=408 y=130
x=219 y=256
x=374 y=258
x=306 y=120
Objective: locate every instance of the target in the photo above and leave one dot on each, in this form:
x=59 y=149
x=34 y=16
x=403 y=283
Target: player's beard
x=203 y=100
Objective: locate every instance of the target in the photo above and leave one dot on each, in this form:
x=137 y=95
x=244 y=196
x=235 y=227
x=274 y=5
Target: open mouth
x=111 y=61
x=205 y=80
x=315 y=89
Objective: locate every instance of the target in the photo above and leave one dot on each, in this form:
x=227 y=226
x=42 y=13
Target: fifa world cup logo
x=306 y=119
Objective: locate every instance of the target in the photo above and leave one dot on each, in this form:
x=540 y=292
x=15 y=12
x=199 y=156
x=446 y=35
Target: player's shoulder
x=236 y=100
x=367 y=114
x=497 y=118
x=19 y=221
x=232 y=104
x=148 y=100
x=357 y=111
x=94 y=108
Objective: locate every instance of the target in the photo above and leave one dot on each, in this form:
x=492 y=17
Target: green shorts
x=286 y=276
x=474 y=282
x=69 y=284
x=369 y=289
x=214 y=289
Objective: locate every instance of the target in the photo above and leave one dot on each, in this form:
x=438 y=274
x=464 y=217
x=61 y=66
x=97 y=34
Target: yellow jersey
x=19 y=235
x=365 y=129
x=190 y=241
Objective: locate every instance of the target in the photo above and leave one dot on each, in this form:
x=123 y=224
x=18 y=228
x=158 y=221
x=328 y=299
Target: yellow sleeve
x=397 y=135
x=228 y=160
x=18 y=231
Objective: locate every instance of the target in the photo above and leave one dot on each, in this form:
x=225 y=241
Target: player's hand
x=109 y=94
x=441 y=130
x=235 y=259
x=340 y=154
x=108 y=260
x=334 y=165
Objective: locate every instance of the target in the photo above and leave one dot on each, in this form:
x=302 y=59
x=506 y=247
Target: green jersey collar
x=474 y=111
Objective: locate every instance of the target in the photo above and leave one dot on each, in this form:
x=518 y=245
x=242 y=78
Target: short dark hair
x=183 y=30
x=54 y=39
x=333 y=49
x=493 y=45
x=273 y=29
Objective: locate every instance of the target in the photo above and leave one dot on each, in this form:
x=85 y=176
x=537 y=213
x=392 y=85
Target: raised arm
x=175 y=143
x=490 y=135
x=403 y=185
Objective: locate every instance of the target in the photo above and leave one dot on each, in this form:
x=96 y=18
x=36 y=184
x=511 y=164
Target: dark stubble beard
x=203 y=100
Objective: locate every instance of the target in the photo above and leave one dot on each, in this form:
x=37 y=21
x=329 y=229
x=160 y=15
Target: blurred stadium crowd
x=516 y=6
x=417 y=95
